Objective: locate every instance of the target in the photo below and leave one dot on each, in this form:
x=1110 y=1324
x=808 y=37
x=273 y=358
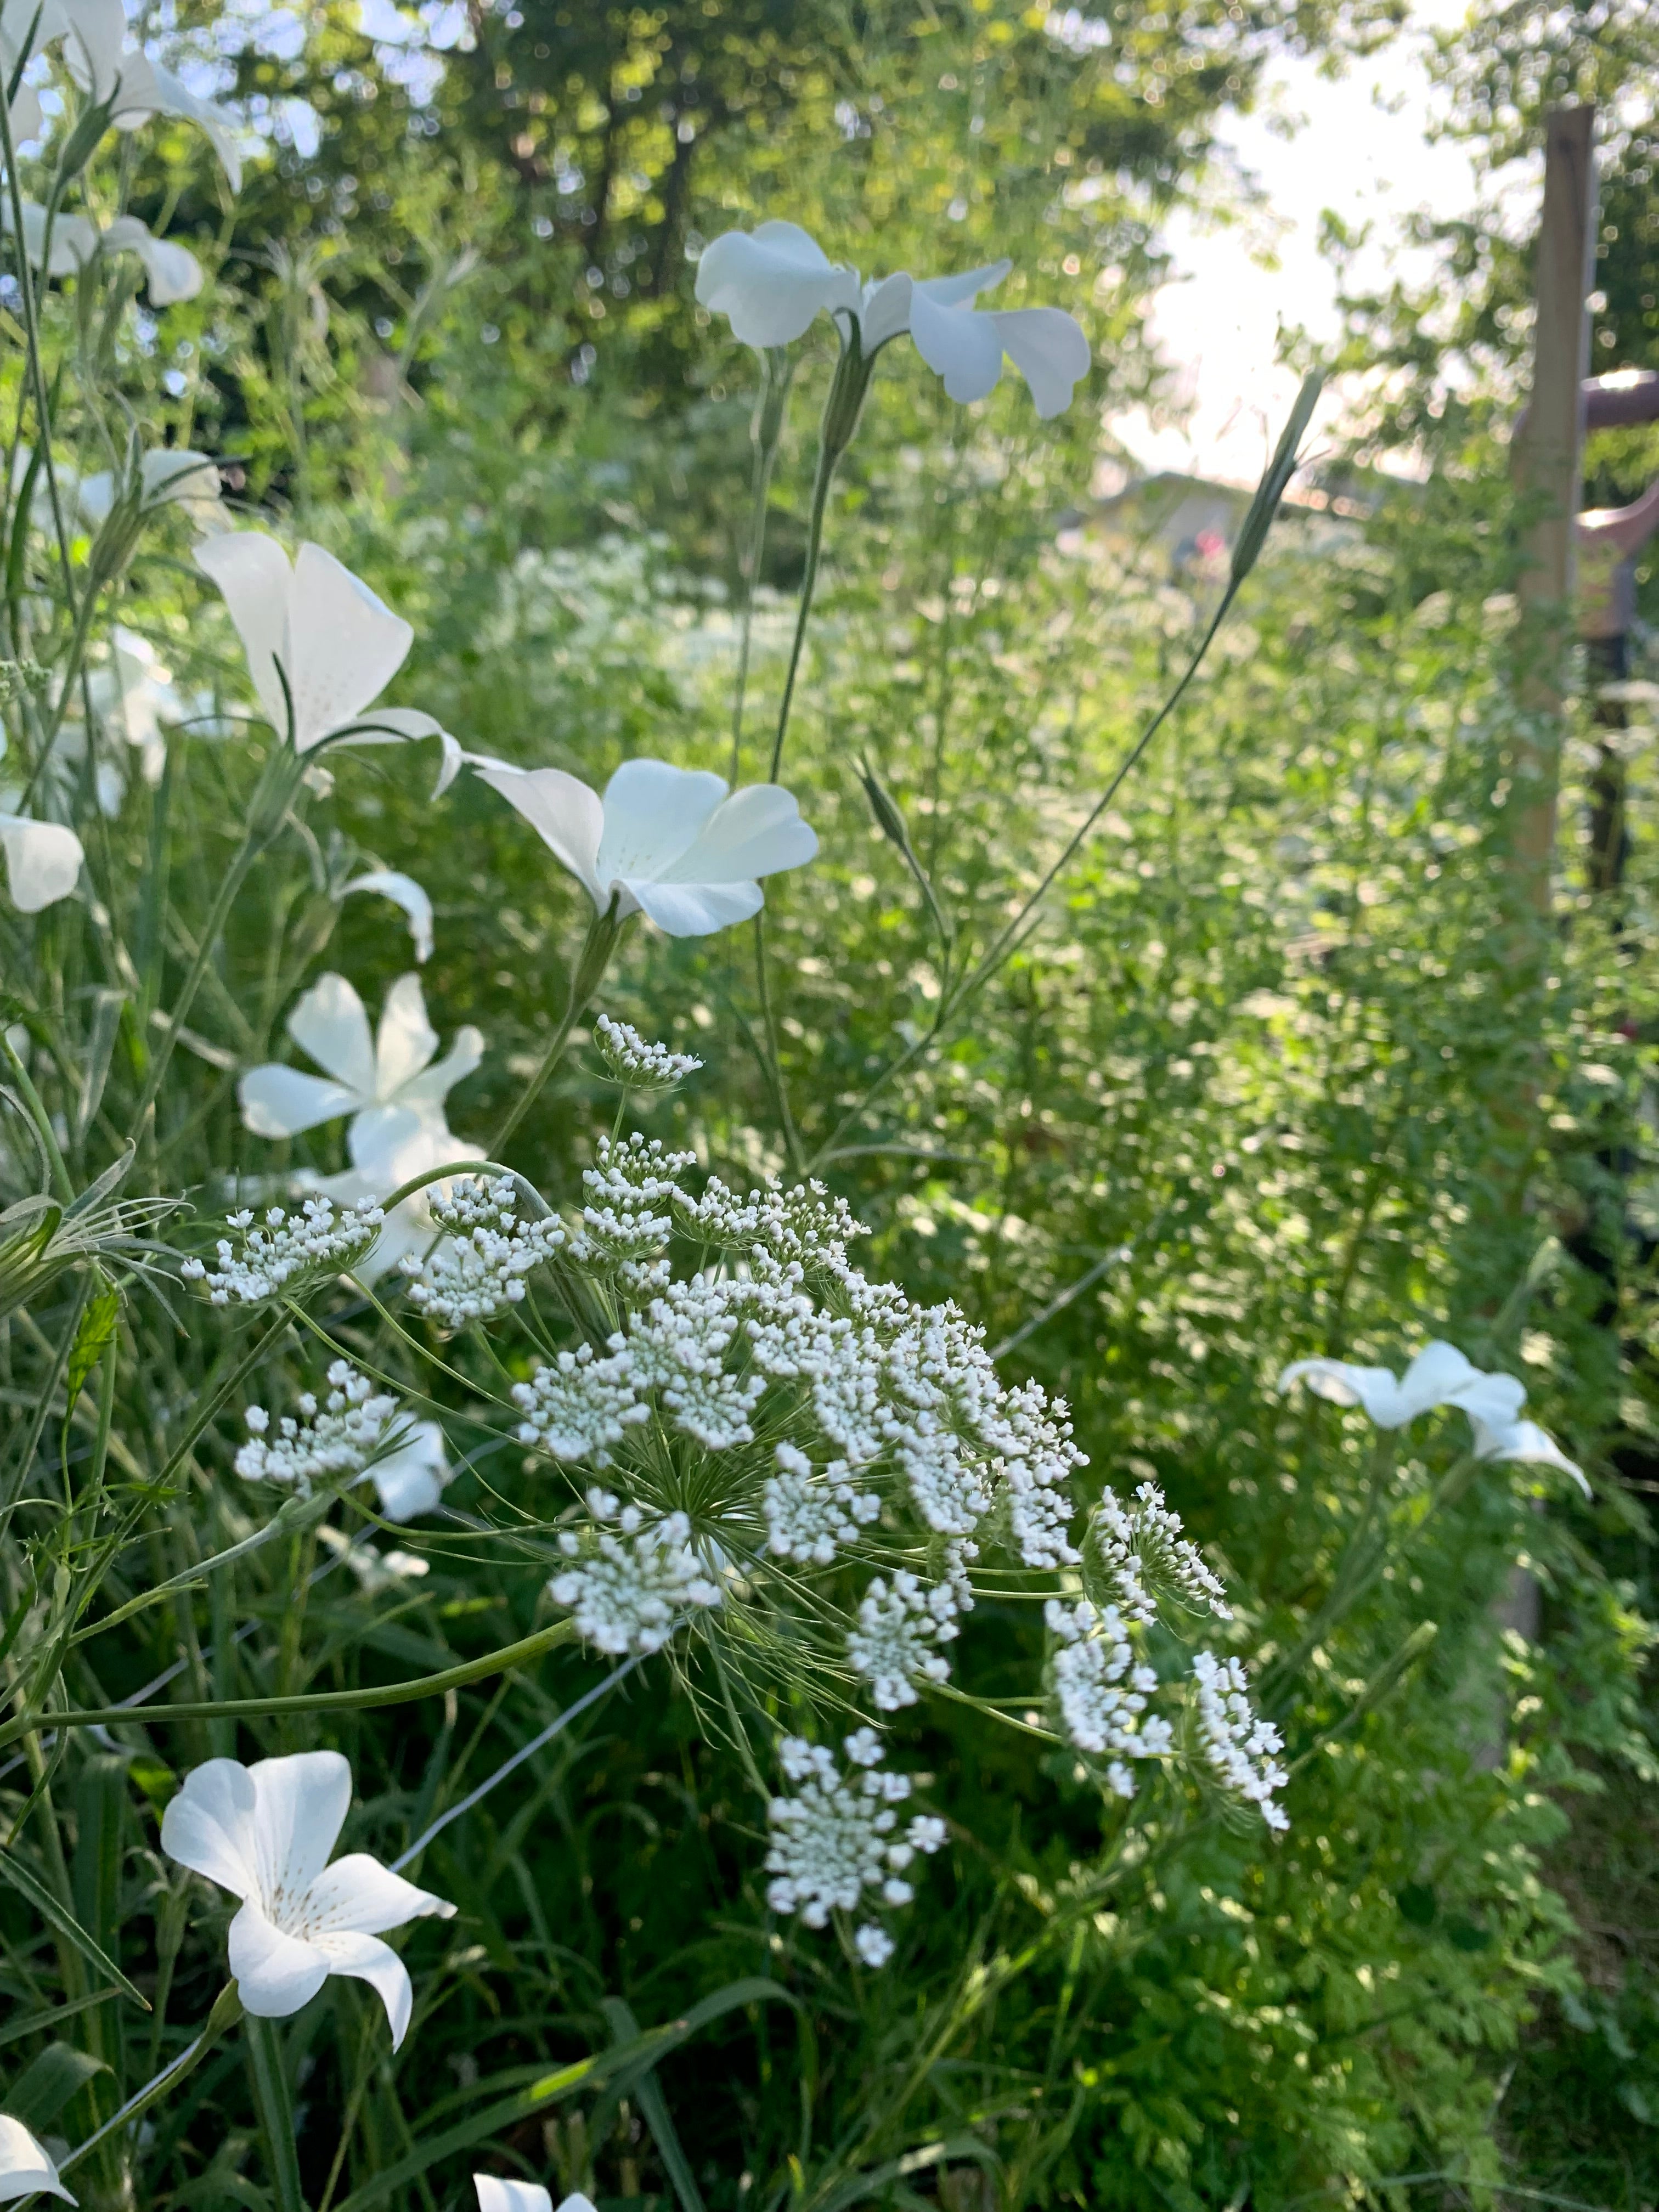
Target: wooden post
x=1546 y=461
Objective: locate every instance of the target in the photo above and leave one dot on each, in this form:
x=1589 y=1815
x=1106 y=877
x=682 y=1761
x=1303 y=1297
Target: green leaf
x=31 y=1886
x=1417 y=1904
x=36 y=2023
x=648 y=2091
x=41 y=2092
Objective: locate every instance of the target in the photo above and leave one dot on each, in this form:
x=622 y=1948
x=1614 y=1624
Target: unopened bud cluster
x=486 y=1253
x=634 y=1061
x=285 y=1253
x=324 y=1442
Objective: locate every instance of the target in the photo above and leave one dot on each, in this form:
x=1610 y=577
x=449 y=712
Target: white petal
x=95 y=495
x=282 y=1102
x=147 y=89
x=427 y=1093
x=1048 y=349
x=366 y=1958
x=1346 y=1384
x=497 y=2195
x=174 y=272
x=27 y=122
x=402 y=891
x=302 y=1802
x=43 y=861
x=275 y=1974
x=253 y=572
x=567 y=816
x=1497 y=1399
x=1526 y=1441
x=885 y=312
x=390 y=723
x=406 y=1040
x=344 y=646
x=577 y=2202
x=756 y=832
x=208 y=1825
x=697 y=910
x=1436 y=1374
x=653 y=812
x=964 y=346
x=97 y=32
x=180 y=472
x=74 y=239
x=25 y=2166
x=967 y=284
x=359 y=1896
x=329 y=1024
x=410 y=1480
x=770 y=284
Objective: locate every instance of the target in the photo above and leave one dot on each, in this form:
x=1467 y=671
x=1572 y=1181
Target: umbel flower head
x=669 y=842
x=772 y=281
x=26 y=2166
x=264 y=1833
x=1440 y=1375
x=320 y=646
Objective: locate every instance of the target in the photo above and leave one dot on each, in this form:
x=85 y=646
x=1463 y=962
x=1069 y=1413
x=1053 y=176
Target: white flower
x=899 y=1629
x=1440 y=1375
x=808 y=1515
x=873 y=1945
x=173 y=271
x=630 y=1598
x=371 y=1077
x=168 y=475
x=286 y=1250
x=390 y=1147
x=338 y=1438
x=134 y=693
x=579 y=1407
x=840 y=1836
x=486 y=1254
x=666 y=841
x=631 y=1059
x=771 y=282
x=264 y=1833
x=334 y=641
x=411 y=1477
x=1241 y=1752
x=1146 y=1544
x=1100 y=1689
x=25 y=2166
x=43 y=861
x=402 y=891
x=497 y=2195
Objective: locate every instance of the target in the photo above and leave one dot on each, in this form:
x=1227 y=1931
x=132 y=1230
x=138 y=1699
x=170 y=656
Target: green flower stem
x=600 y=942
x=769 y=1051
x=317 y=1701
x=226 y=2011
x=269 y=2076
x=841 y=417
x=765 y=432
x=62 y=1182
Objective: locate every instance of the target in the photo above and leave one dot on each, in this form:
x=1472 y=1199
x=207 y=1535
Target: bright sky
x=1360 y=149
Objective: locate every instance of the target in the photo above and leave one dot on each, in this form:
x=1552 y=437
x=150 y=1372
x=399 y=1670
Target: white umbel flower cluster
x=1102 y=1691
x=809 y=1514
x=633 y=1061
x=1143 y=1549
x=487 y=1252
x=1241 y=1751
x=285 y=1253
x=339 y=1437
x=840 y=1837
x=900 y=1625
x=629 y=1591
x=631 y=1194
x=580 y=1407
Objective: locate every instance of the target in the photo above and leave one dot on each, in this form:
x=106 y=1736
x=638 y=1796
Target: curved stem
x=603 y=931
x=809 y=583
x=226 y=2011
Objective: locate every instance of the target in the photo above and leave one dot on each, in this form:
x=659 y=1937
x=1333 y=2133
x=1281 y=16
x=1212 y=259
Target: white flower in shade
x=264 y=1833
x=167 y=476
x=173 y=271
x=669 y=842
x=25 y=2166
x=402 y=891
x=411 y=1477
x=43 y=861
x=134 y=694
x=311 y=624
x=770 y=283
x=497 y=2195
x=371 y=1077
x=1440 y=1375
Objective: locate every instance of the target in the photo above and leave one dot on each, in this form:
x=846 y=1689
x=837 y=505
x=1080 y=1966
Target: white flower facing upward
x=669 y=842
x=1440 y=1375
x=373 y=1078
x=313 y=625
x=26 y=2168
x=43 y=861
x=771 y=282
x=264 y=1833
x=497 y=2194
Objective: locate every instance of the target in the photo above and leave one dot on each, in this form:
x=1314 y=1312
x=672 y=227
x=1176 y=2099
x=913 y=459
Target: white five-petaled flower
x=669 y=842
x=310 y=624
x=499 y=2195
x=771 y=282
x=371 y=1077
x=1440 y=1375
x=43 y=861
x=264 y=1833
x=26 y=2166
x=173 y=271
